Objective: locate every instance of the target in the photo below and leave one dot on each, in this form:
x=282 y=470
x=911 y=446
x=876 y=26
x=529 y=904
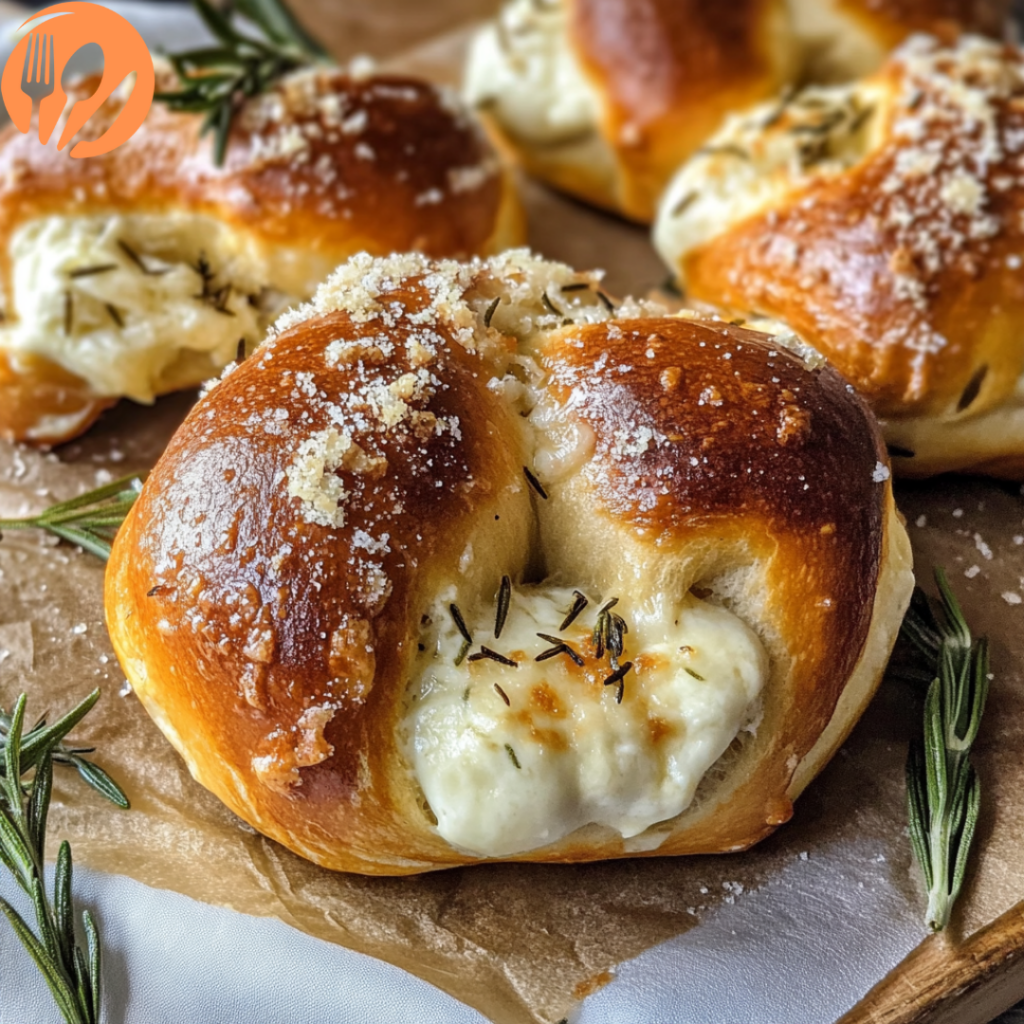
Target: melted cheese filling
x=523 y=67
x=81 y=298
x=510 y=759
x=759 y=158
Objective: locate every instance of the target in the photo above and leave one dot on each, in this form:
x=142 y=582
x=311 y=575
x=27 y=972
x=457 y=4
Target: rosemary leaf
x=26 y=777
x=943 y=789
x=215 y=81
x=90 y=520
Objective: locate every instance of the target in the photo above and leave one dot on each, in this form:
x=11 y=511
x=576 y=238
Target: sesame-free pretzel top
x=467 y=562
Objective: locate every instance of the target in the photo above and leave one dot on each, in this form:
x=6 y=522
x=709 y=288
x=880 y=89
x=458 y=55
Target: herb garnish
x=138 y=261
x=69 y=314
x=460 y=622
x=215 y=81
x=99 y=268
x=73 y=974
x=618 y=677
x=90 y=520
x=512 y=756
x=579 y=602
x=115 y=315
x=490 y=311
x=503 y=695
x=486 y=652
x=943 y=790
x=504 y=599
x=535 y=483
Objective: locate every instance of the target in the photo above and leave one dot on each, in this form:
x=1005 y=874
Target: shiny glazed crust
x=665 y=73
x=326 y=165
x=274 y=652
x=902 y=263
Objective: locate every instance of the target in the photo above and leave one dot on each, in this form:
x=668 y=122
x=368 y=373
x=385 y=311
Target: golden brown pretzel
x=289 y=594
x=882 y=222
x=606 y=98
x=97 y=251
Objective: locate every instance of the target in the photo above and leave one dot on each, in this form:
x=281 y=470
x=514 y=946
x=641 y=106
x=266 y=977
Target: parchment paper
x=520 y=943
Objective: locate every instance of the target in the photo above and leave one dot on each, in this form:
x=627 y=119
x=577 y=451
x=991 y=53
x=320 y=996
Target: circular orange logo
x=32 y=74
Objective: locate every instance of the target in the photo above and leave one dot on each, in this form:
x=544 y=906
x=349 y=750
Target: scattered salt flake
x=79 y=629
x=804 y=855
x=921 y=521
x=126 y=688
x=1011 y=598
x=881 y=473
x=1018 y=540
x=957 y=513
x=983 y=548
x=972 y=571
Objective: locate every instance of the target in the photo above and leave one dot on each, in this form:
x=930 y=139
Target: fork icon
x=37 y=78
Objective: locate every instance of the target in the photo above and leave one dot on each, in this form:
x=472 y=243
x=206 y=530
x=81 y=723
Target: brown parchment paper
x=520 y=943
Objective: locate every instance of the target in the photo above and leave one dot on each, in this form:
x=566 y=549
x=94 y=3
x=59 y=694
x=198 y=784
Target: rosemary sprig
x=943 y=790
x=90 y=520
x=73 y=974
x=215 y=81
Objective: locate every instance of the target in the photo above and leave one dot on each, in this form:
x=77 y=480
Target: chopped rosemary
x=535 y=483
x=602 y=634
x=503 y=695
x=115 y=315
x=684 y=204
x=577 y=286
x=463 y=651
x=512 y=756
x=490 y=311
x=72 y=973
x=547 y=302
x=216 y=81
x=504 y=599
x=579 y=602
x=138 y=261
x=99 y=268
x=561 y=647
x=858 y=119
x=605 y=301
x=90 y=520
x=69 y=313
x=943 y=790
x=460 y=622
x=696 y=675
x=487 y=653
x=617 y=679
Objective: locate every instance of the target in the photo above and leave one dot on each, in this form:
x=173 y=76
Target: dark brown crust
x=668 y=71
x=383 y=188
x=824 y=263
x=766 y=460
x=214 y=519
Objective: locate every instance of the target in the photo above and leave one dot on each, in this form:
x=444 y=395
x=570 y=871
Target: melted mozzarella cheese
x=563 y=753
x=124 y=331
x=523 y=65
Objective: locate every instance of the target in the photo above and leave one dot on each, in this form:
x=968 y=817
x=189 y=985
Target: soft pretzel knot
x=468 y=562
x=883 y=222
x=142 y=271
x=606 y=98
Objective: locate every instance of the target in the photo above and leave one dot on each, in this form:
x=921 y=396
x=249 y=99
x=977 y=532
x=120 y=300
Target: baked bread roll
x=605 y=99
x=882 y=221
x=142 y=271
x=466 y=564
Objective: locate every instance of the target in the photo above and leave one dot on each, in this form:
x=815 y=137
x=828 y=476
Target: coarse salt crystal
x=1011 y=598
x=881 y=473
x=921 y=521
x=972 y=571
